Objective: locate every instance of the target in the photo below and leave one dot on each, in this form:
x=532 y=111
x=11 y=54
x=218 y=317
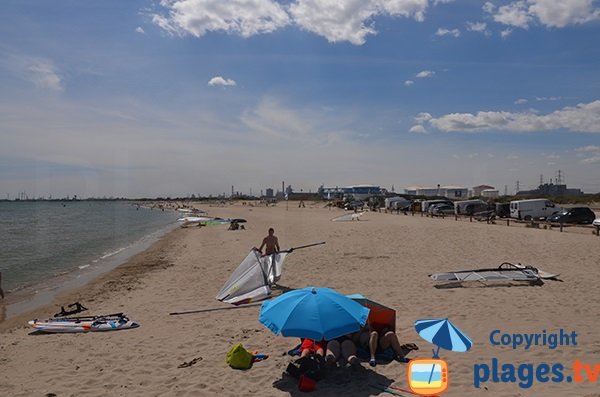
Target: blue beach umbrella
x=314 y=313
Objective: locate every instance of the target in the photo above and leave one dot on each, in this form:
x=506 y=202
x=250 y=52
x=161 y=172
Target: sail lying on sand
x=253 y=278
x=505 y=272
x=348 y=217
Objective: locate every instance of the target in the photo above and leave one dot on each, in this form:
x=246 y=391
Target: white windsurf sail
x=253 y=278
x=348 y=217
x=505 y=272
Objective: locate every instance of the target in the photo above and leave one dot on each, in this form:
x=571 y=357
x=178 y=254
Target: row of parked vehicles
x=531 y=209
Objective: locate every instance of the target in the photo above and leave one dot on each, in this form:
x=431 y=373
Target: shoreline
x=65 y=291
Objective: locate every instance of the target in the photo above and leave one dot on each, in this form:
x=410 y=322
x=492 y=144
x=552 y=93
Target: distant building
x=490 y=193
x=422 y=191
x=454 y=192
x=269 y=193
x=451 y=192
x=358 y=192
x=478 y=189
x=550 y=189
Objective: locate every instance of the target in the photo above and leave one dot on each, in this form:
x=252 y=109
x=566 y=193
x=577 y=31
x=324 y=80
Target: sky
x=178 y=97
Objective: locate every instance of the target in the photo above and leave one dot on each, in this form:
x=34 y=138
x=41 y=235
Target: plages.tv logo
x=429 y=376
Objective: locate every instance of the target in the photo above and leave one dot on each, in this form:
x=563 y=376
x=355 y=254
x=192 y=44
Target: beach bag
x=239 y=358
x=310 y=366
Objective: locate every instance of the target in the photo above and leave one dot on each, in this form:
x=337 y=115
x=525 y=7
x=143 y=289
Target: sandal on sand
x=372 y=362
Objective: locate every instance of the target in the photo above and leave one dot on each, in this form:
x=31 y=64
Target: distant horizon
x=194 y=96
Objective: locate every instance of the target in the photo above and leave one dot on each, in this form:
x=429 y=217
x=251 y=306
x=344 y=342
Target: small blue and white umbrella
x=442 y=333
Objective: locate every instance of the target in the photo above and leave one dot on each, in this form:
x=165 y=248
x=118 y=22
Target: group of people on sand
x=384 y=342
x=369 y=339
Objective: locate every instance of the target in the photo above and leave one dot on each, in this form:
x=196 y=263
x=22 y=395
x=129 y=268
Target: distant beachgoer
x=270 y=243
x=1 y=292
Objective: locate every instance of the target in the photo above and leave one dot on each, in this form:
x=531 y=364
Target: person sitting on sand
x=271 y=243
x=310 y=347
x=234 y=225
x=342 y=347
x=382 y=341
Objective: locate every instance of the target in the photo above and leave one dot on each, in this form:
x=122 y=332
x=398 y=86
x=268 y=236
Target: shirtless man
x=270 y=243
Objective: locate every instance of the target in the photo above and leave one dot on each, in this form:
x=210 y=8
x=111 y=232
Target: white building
x=490 y=193
x=454 y=192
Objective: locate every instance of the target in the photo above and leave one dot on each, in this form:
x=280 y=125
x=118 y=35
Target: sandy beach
x=385 y=257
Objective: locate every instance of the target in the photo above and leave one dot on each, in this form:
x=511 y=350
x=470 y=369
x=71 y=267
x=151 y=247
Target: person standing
x=270 y=243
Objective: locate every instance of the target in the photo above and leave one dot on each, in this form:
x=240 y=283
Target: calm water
x=40 y=240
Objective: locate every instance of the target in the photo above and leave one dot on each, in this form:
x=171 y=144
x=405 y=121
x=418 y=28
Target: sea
x=47 y=246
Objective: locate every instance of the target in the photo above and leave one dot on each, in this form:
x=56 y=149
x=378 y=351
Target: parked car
x=442 y=209
x=580 y=215
x=354 y=205
x=596 y=222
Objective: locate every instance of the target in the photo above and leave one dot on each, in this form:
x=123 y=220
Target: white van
x=533 y=208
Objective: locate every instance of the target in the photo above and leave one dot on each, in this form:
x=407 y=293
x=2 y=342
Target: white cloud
x=505 y=33
x=140 y=30
x=351 y=20
x=585 y=117
x=488 y=7
x=243 y=17
x=343 y=20
x=408 y=83
x=512 y=157
x=588 y=148
x=218 y=80
x=424 y=74
x=417 y=129
x=473 y=155
x=549 y=13
x=436 y=2
x=591 y=160
x=448 y=32
x=553 y=156
x=514 y=14
x=520 y=101
x=423 y=118
x=43 y=74
x=480 y=27
x=547 y=98
x=553 y=13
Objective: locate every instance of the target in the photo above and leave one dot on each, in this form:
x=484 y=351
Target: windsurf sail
x=348 y=217
x=253 y=278
x=505 y=272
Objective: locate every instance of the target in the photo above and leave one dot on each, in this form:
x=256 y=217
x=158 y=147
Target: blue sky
x=173 y=97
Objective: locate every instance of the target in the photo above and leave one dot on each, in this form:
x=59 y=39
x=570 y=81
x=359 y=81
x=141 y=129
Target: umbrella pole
x=435 y=355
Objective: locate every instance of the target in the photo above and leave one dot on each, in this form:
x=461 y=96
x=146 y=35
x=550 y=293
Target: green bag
x=239 y=358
